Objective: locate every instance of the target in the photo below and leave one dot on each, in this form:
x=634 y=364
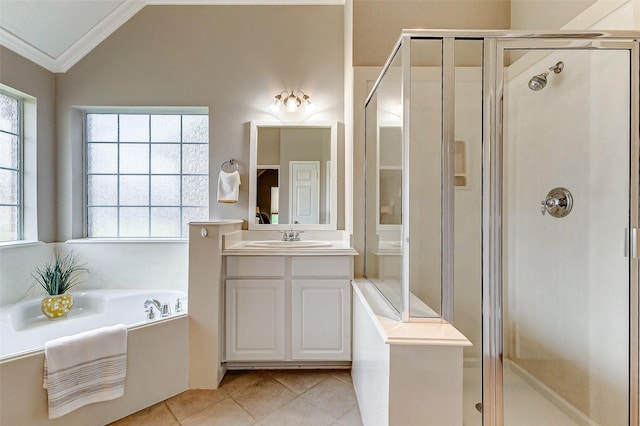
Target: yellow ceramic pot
x=57 y=306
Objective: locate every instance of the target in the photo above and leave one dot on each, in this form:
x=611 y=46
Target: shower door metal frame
x=492 y=199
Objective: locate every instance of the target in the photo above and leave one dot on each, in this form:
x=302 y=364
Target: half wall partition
x=501 y=191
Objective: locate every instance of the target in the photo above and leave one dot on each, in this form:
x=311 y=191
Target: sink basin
x=288 y=244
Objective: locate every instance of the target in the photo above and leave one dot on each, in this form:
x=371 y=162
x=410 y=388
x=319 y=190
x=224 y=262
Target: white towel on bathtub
x=85 y=368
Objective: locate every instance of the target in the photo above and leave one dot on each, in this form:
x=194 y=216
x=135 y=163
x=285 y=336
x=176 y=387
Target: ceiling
x=56 y=34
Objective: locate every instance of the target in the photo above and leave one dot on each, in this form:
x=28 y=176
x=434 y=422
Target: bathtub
x=157 y=360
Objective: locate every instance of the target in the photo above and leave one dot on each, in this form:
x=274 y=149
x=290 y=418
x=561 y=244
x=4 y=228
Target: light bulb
x=275 y=105
x=292 y=102
x=308 y=105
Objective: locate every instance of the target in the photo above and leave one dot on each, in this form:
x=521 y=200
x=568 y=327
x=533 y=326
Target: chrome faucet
x=291 y=235
x=164 y=308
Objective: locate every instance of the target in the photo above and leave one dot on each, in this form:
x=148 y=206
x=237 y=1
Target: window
x=10 y=168
x=147 y=174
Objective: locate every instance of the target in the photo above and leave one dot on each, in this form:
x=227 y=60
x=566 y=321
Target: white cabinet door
x=321 y=319
x=255 y=320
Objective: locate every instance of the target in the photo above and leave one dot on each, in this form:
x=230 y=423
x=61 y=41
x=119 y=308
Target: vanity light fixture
x=291 y=101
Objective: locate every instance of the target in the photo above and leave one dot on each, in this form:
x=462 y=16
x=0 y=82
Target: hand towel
x=85 y=368
x=228 y=187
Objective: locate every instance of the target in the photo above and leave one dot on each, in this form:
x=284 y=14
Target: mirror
x=389 y=175
x=293 y=176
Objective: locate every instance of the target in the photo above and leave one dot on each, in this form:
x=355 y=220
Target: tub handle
x=166 y=311
x=178 y=305
x=150 y=313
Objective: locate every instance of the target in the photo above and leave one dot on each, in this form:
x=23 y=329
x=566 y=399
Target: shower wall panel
x=566 y=279
x=468 y=210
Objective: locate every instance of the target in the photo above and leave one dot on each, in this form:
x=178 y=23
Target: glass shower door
x=566 y=179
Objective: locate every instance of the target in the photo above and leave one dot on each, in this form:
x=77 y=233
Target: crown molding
x=26 y=50
x=115 y=20
x=98 y=34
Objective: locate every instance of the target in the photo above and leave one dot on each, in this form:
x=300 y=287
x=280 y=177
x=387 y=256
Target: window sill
x=20 y=243
x=127 y=241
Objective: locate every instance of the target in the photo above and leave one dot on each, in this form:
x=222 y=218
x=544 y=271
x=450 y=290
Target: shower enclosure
x=502 y=183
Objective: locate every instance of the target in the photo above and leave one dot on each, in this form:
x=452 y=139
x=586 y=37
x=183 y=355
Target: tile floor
x=260 y=397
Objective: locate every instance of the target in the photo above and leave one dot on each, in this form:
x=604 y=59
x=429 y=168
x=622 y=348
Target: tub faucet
x=148 y=306
x=154 y=302
x=164 y=308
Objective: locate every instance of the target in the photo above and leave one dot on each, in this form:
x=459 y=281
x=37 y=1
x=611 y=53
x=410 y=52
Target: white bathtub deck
x=24 y=329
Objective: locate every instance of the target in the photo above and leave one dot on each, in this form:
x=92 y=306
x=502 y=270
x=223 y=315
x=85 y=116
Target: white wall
x=625 y=17
x=566 y=294
x=158 y=265
x=231 y=59
x=545 y=14
x=16 y=265
x=40 y=195
x=144 y=264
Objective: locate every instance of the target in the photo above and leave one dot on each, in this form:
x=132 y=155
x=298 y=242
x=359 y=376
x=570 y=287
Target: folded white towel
x=85 y=368
x=228 y=187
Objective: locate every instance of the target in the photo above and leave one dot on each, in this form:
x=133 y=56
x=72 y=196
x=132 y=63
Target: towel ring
x=233 y=164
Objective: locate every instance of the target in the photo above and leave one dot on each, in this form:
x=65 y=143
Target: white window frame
x=20 y=166
x=181 y=111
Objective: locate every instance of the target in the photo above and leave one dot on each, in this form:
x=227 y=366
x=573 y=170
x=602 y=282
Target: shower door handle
x=631 y=243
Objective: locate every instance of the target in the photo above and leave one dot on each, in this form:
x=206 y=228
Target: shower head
x=539 y=81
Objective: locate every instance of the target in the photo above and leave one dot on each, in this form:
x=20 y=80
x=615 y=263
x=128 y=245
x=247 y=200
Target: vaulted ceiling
x=57 y=34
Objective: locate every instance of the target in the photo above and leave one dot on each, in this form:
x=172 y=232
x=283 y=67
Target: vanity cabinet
x=321 y=319
x=255 y=319
x=288 y=308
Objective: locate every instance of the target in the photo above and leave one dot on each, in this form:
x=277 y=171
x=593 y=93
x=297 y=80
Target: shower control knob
x=558 y=203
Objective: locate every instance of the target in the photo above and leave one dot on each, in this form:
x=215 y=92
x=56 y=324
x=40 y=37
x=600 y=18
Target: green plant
x=58 y=276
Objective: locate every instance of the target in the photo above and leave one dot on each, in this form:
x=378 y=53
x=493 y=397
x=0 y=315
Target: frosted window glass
x=193 y=214
x=8 y=223
x=134 y=222
x=134 y=128
x=165 y=221
x=102 y=127
x=195 y=128
x=165 y=128
x=102 y=190
x=165 y=190
x=195 y=159
x=102 y=158
x=195 y=190
x=134 y=190
x=165 y=159
x=8 y=114
x=135 y=166
x=8 y=187
x=102 y=221
x=134 y=158
x=8 y=151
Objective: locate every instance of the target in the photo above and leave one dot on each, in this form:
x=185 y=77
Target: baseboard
x=280 y=365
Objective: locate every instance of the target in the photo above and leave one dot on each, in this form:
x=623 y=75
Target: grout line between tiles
x=171 y=412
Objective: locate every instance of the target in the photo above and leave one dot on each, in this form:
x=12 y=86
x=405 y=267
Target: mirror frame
x=253 y=174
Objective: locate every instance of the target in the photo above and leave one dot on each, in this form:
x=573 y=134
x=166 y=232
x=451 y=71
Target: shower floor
x=524 y=404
